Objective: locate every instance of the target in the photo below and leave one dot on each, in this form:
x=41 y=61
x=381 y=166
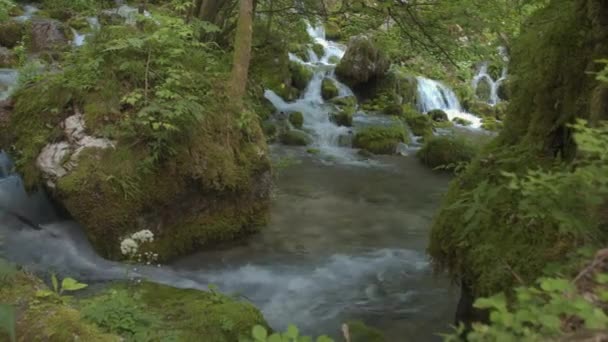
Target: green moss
x=319 y=50
x=47 y=319
x=381 y=140
x=551 y=86
x=482 y=109
x=333 y=31
x=462 y=122
x=155 y=312
x=270 y=69
x=446 y=151
x=296 y=119
x=491 y=124
x=300 y=75
x=420 y=124
x=300 y=50
x=360 y=332
x=295 y=138
x=270 y=130
x=438 y=115
x=345 y=101
x=11 y=33
x=343 y=116
x=329 y=89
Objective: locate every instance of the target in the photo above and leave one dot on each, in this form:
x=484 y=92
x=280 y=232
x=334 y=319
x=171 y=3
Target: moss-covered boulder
x=43 y=319
x=343 y=116
x=504 y=91
x=8 y=59
x=381 y=139
x=421 y=125
x=483 y=92
x=47 y=34
x=333 y=31
x=270 y=69
x=345 y=101
x=446 y=152
x=438 y=115
x=491 y=124
x=319 y=50
x=185 y=169
x=295 y=138
x=329 y=89
x=363 y=62
x=552 y=66
x=300 y=75
x=11 y=33
x=153 y=312
x=461 y=121
x=296 y=119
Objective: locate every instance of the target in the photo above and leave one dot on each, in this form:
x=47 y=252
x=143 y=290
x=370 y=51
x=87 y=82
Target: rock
x=47 y=35
x=343 y=116
x=295 y=138
x=380 y=139
x=438 y=115
x=296 y=119
x=462 y=122
x=313 y=151
x=332 y=31
x=446 y=152
x=345 y=140
x=362 y=62
x=421 y=125
x=500 y=110
x=6 y=108
x=110 y=17
x=300 y=50
x=334 y=60
x=319 y=50
x=393 y=109
x=270 y=131
x=11 y=33
x=57 y=159
x=483 y=91
x=300 y=75
x=491 y=124
x=7 y=58
x=347 y=101
x=329 y=90
x=504 y=93
x=482 y=109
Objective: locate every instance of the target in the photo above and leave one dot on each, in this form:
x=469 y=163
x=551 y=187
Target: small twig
x=515 y=275
x=600 y=256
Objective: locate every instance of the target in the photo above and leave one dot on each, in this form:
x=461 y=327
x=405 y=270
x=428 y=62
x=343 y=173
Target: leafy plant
x=7 y=321
x=260 y=334
x=67 y=285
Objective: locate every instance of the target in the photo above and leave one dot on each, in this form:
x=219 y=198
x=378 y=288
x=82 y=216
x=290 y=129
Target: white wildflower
x=128 y=246
x=143 y=236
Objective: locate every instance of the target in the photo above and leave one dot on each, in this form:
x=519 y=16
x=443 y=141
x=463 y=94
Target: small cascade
x=78 y=39
x=493 y=85
x=28 y=13
x=8 y=81
x=311 y=104
x=436 y=95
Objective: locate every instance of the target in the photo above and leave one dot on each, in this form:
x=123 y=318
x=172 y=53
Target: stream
x=346 y=238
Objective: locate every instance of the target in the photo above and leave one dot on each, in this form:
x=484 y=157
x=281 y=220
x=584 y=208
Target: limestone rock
x=362 y=62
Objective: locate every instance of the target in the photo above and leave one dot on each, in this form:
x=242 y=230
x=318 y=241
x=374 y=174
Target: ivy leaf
x=259 y=333
x=70 y=284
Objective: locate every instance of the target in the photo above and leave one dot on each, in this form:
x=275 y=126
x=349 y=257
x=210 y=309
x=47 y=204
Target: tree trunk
x=242 y=51
x=209 y=10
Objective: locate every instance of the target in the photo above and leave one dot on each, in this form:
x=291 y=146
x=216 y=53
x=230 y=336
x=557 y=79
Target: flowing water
x=493 y=85
x=346 y=239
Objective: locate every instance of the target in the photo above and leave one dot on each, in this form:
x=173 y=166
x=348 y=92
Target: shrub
x=446 y=152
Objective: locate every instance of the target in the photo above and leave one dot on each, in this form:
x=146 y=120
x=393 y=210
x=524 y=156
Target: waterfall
x=484 y=76
x=436 y=95
x=78 y=38
x=316 y=112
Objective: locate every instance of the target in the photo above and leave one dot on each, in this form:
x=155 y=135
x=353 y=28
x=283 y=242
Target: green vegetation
x=381 y=140
x=446 y=152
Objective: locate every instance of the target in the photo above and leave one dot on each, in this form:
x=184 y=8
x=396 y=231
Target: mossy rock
x=319 y=50
x=504 y=92
x=381 y=139
x=393 y=109
x=491 y=124
x=483 y=91
x=461 y=121
x=270 y=130
x=482 y=109
x=79 y=23
x=300 y=50
x=270 y=69
x=329 y=89
x=45 y=319
x=333 y=31
x=300 y=75
x=360 y=332
x=438 y=115
x=446 y=152
x=345 y=101
x=11 y=33
x=420 y=125
x=296 y=119
x=153 y=312
x=363 y=62
x=8 y=59
x=333 y=60
x=295 y=138
x=343 y=116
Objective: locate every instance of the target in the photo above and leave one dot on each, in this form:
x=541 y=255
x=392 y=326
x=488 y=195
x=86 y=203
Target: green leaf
x=70 y=284
x=292 y=331
x=44 y=293
x=259 y=333
x=324 y=338
x=54 y=282
x=275 y=338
